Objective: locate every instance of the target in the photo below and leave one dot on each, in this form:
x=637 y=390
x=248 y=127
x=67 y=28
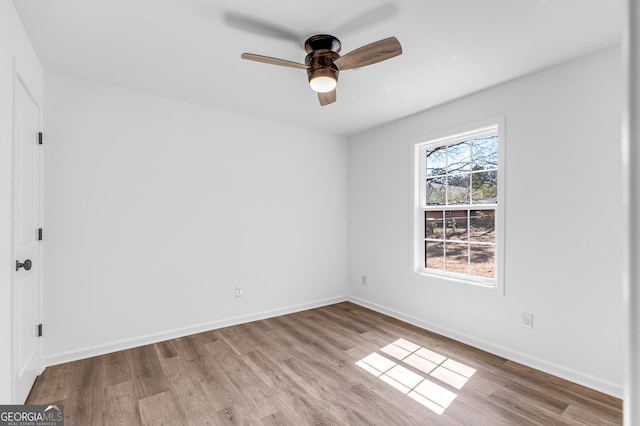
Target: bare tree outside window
x=460 y=189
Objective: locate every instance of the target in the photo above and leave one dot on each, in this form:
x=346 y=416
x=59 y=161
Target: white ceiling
x=186 y=49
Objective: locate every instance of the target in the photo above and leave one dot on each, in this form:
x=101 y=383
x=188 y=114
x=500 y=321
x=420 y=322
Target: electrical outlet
x=238 y=291
x=364 y=280
x=527 y=320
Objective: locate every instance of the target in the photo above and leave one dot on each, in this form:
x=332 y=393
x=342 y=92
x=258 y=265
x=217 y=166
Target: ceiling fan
x=323 y=62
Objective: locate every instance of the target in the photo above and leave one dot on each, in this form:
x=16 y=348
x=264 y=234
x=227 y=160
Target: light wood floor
x=336 y=365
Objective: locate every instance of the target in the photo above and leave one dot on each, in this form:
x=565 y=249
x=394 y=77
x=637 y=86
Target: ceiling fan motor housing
x=320 y=64
x=322 y=51
x=322 y=42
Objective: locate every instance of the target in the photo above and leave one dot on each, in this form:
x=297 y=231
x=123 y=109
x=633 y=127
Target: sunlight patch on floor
x=418 y=387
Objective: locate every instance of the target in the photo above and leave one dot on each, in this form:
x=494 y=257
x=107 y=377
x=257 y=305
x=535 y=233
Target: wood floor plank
x=189 y=392
x=328 y=333
x=582 y=402
x=299 y=403
x=253 y=390
x=116 y=368
x=521 y=406
x=441 y=420
x=52 y=385
x=398 y=399
x=168 y=349
x=238 y=339
x=572 y=391
x=231 y=415
x=331 y=314
x=467 y=406
x=192 y=349
x=341 y=364
x=333 y=369
x=376 y=409
x=278 y=419
x=592 y=414
x=545 y=400
x=121 y=407
x=587 y=415
x=161 y=409
x=86 y=393
x=148 y=377
x=220 y=391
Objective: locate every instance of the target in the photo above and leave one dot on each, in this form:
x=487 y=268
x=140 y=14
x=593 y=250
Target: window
x=459 y=207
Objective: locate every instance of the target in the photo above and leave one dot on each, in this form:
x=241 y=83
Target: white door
x=26 y=307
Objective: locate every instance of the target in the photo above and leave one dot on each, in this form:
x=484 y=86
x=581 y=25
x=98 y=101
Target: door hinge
x=40 y=138
x=39 y=330
x=39 y=234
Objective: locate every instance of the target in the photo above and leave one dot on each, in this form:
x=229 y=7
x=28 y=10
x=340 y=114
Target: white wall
x=563 y=223
x=155 y=209
x=14 y=43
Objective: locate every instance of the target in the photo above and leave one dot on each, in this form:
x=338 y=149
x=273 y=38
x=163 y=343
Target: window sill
x=479 y=285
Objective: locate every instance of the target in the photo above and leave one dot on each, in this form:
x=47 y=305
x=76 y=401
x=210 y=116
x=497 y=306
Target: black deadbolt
x=26 y=265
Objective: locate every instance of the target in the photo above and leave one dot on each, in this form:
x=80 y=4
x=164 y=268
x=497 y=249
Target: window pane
x=458 y=189
x=483 y=260
x=456 y=225
x=436 y=161
x=457 y=257
x=434 y=255
x=484 y=187
x=459 y=158
x=435 y=191
x=433 y=225
x=483 y=226
x=485 y=153
x=459 y=202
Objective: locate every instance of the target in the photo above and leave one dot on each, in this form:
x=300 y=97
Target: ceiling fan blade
x=368 y=19
x=327 y=98
x=272 y=61
x=256 y=26
x=370 y=54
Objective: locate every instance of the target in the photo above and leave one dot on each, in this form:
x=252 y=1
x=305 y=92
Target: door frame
x=19 y=78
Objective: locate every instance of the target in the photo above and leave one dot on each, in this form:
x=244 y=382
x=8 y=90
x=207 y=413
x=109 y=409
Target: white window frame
x=467 y=132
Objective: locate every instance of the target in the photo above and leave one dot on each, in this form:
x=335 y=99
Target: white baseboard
x=92 y=351
x=563 y=372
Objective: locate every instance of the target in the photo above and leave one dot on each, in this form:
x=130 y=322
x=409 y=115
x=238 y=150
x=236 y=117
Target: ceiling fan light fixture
x=323 y=84
x=323 y=80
